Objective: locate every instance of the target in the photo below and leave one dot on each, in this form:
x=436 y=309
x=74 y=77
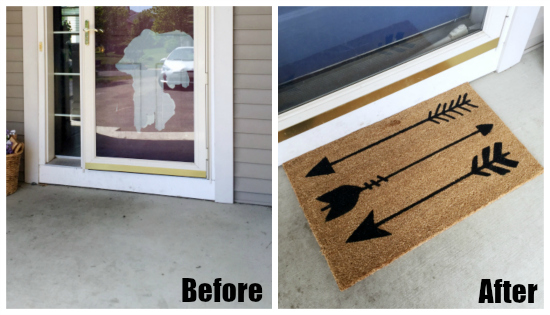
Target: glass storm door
x=144 y=89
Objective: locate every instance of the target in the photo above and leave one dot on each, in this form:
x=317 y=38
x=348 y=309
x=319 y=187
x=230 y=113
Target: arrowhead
x=322 y=168
x=340 y=200
x=476 y=169
x=367 y=230
x=501 y=158
x=484 y=129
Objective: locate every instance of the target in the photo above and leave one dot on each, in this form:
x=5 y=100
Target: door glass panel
x=67 y=115
x=144 y=98
x=324 y=49
x=66 y=60
x=66 y=19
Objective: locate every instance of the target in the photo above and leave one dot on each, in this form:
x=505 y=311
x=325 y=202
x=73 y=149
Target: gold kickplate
x=385 y=91
x=145 y=170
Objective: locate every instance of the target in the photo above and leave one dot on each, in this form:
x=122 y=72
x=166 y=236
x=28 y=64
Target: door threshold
x=66 y=161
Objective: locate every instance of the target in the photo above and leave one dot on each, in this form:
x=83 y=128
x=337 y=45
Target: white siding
x=14 y=74
x=252 y=98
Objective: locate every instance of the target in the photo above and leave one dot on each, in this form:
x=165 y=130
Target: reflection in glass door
x=144 y=83
x=326 y=49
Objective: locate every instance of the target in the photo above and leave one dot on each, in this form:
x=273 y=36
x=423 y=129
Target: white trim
x=200 y=82
x=491 y=30
x=494 y=19
x=520 y=28
x=87 y=89
x=30 y=88
x=47 y=15
x=221 y=98
x=141 y=183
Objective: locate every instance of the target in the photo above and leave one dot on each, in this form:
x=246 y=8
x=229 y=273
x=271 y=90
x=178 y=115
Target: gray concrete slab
x=71 y=247
x=504 y=240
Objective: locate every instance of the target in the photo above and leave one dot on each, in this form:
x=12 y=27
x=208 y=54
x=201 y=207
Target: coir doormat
x=379 y=192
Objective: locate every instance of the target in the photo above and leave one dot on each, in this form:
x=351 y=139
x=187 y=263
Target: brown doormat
x=381 y=191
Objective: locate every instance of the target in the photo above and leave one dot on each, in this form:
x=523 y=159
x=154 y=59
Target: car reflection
x=177 y=68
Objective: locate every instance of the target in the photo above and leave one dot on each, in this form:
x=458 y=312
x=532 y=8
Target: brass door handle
x=87 y=32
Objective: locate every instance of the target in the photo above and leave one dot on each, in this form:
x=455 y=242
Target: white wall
x=537 y=34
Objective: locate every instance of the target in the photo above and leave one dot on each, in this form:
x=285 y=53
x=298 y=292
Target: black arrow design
x=324 y=167
x=368 y=229
x=344 y=198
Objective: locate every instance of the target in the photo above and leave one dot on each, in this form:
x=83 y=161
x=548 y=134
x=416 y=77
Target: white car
x=177 y=68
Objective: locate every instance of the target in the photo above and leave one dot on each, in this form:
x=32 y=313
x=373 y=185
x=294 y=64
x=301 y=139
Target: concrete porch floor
x=71 y=247
x=504 y=240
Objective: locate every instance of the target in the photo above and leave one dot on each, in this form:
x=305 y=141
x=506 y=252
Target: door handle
x=87 y=32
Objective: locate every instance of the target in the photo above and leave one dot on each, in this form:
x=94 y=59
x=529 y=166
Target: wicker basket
x=12 y=170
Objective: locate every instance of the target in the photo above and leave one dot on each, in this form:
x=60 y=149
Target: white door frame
x=500 y=22
x=197 y=168
x=218 y=187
